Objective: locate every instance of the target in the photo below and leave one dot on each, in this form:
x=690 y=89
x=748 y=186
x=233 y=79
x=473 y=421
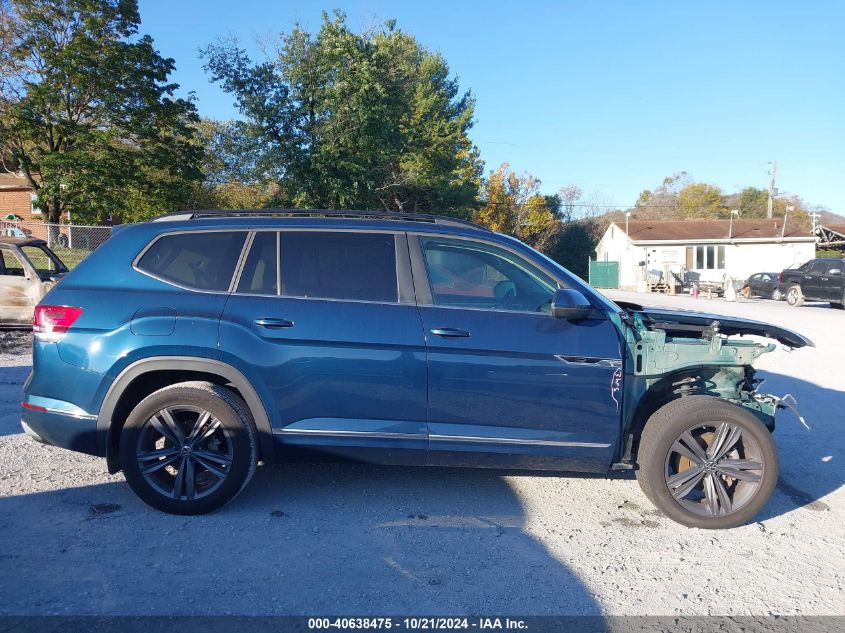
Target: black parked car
x=763 y=285
x=817 y=280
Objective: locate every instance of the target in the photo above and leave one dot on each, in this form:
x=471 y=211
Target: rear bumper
x=74 y=431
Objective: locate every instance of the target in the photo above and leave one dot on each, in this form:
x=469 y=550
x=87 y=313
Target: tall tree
x=700 y=200
x=512 y=204
x=87 y=114
x=370 y=120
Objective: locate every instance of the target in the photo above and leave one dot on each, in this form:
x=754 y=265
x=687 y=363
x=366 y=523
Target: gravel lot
x=316 y=539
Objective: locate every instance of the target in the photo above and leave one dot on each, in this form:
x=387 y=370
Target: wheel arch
x=708 y=380
x=144 y=376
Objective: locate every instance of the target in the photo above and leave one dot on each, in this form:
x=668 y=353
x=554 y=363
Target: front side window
x=339 y=265
x=201 y=260
x=465 y=274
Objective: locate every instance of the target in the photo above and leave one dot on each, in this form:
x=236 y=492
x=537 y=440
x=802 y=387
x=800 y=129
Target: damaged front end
x=673 y=353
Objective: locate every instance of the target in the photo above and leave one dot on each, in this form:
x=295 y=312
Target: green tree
x=700 y=200
x=347 y=120
x=87 y=113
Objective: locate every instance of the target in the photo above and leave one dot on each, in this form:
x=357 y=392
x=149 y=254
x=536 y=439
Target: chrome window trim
x=350 y=433
x=278 y=263
x=239 y=265
x=514 y=441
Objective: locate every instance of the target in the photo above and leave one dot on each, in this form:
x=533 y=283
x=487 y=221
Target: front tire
x=188 y=448
x=794 y=296
x=707 y=463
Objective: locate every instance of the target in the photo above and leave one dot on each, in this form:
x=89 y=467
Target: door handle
x=450 y=332
x=825 y=279
x=274 y=324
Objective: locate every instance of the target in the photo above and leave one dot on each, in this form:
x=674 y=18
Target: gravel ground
x=316 y=539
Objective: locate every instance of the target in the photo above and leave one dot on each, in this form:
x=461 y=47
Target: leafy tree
x=576 y=243
x=663 y=203
x=512 y=204
x=87 y=113
x=230 y=157
x=700 y=200
x=347 y=120
x=753 y=202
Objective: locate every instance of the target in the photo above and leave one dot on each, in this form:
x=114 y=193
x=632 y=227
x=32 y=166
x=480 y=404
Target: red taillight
x=33 y=407
x=780 y=277
x=49 y=323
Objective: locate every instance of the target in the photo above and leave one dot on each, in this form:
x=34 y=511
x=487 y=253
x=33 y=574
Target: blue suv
x=187 y=349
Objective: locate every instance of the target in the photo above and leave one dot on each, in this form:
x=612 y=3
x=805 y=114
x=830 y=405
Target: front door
x=508 y=384
x=334 y=343
x=811 y=284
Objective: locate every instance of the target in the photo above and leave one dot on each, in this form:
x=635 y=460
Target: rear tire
x=777 y=295
x=794 y=296
x=707 y=463
x=189 y=448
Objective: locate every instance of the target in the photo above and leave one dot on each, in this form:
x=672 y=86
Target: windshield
x=43 y=260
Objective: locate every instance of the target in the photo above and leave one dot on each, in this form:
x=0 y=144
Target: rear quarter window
x=203 y=261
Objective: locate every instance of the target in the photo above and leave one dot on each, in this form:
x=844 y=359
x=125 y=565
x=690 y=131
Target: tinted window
x=336 y=265
x=205 y=261
x=473 y=275
x=259 y=272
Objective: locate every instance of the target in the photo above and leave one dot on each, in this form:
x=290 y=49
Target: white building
x=702 y=250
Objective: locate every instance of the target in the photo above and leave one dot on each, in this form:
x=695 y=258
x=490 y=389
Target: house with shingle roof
x=705 y=251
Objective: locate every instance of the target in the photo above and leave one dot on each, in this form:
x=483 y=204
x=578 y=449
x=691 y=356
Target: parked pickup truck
x=817 y=280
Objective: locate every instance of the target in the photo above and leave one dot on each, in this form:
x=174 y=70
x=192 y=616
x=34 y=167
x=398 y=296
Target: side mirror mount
x=570 y=304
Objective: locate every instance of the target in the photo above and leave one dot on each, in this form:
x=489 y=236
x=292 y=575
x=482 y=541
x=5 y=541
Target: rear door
x=832 y=281
x=324 y=324
x=509 y=385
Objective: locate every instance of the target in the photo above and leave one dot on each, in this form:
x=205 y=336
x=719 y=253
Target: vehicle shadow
x=302 y=539
x=812 y=464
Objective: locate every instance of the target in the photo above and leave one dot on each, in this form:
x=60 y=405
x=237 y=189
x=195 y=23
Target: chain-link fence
x=71 y=242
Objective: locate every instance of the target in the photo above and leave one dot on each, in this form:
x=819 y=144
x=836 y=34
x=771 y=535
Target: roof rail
x=318 y=213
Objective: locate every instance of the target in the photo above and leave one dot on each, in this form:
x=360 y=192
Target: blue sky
x=611 y=96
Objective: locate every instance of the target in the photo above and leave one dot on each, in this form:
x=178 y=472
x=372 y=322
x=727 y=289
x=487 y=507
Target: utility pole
x=772 y=189
x=814 y=216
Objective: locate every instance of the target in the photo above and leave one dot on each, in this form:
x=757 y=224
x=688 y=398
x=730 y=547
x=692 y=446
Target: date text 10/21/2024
x=417 y=623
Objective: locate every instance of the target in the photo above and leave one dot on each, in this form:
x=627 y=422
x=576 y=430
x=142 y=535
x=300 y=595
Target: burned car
x=28 y=269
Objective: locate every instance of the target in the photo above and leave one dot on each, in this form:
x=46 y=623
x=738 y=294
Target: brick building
x=17 y=197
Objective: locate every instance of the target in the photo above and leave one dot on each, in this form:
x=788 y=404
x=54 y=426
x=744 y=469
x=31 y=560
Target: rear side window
x=205 y=261
x=259 y=273
x=338 y=265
